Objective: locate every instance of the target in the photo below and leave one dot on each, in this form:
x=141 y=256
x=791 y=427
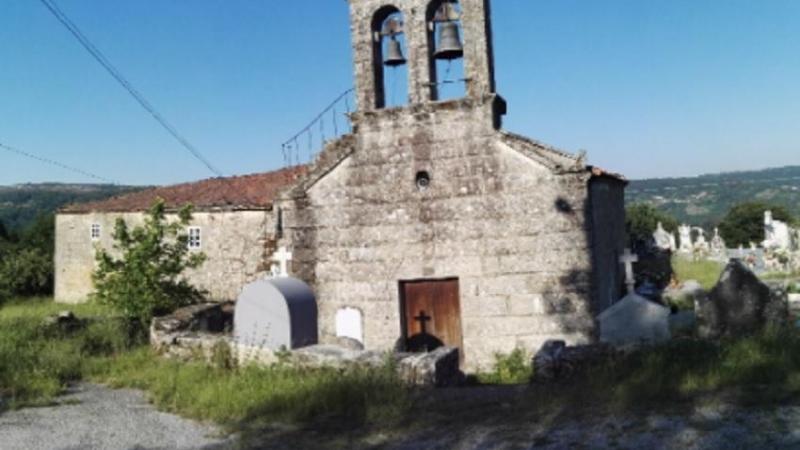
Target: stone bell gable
x=438 y=226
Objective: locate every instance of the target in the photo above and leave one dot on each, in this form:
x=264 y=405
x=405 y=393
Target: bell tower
x=416 y=35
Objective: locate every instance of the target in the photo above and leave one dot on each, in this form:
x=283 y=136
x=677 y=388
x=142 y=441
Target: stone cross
x=422 y=318
x=628 y=259
x=282 y=257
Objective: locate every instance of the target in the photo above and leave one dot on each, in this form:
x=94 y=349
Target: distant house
x=233 y=225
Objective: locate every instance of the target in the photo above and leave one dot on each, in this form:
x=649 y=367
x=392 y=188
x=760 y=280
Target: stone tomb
x=276 y=314
x=634 y=320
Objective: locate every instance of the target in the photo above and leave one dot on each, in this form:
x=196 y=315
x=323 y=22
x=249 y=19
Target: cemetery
x=427 y=280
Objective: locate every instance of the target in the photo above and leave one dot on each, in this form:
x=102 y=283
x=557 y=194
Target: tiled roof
x=255 y=191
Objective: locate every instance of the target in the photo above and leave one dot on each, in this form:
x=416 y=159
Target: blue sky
x=648 y=88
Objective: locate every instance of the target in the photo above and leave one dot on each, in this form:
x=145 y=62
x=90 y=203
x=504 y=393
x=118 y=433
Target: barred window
x=194 y=238
x=95 y=231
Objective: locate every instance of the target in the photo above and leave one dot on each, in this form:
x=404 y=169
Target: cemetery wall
x=238 y=245
x=515 y=232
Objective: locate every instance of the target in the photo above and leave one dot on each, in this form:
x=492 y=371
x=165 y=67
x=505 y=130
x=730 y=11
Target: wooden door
x=431 y=314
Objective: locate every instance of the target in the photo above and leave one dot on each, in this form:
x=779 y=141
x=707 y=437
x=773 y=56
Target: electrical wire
x=117 y=75
x=17 y=151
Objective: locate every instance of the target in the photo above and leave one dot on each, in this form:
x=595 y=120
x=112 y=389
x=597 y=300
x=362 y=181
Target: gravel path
x=95 y=417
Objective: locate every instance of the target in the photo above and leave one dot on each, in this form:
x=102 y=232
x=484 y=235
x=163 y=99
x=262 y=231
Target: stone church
x=428 y=224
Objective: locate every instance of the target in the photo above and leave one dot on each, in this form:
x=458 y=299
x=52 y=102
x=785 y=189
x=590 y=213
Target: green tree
x=744 y=223
x=641 y=220
x=26 y=261
x=147 y=279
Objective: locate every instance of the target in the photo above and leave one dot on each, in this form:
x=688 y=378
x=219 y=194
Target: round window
x=423 y=180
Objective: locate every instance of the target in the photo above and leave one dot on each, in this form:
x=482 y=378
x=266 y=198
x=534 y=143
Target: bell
x=394 y=54
x=449 y=47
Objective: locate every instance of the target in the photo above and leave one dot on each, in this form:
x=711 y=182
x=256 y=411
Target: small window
x=95 y=231
x=194 y=238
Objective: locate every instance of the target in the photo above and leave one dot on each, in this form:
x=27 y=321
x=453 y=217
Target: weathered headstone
x=740 y=304
x=719 y=251
x=778 y=235
x=634 y=320
x=686 y=245
x=275 y=314
x=664 y=240
x=349 y=324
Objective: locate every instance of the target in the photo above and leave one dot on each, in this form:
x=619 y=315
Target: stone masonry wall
x=238 y=245
x=512 y=230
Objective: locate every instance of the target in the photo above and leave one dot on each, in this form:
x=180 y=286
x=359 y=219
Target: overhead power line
x=100 y=58
x=54 y=163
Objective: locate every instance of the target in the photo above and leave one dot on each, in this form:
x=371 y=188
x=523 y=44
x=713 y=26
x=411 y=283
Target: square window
x=95 y=231
x=194 y=241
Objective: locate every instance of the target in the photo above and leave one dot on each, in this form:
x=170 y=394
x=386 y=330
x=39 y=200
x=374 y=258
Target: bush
x=513 y=368
x=26 y=262
x=744 y=223
x=27 y=272
x=147 y=279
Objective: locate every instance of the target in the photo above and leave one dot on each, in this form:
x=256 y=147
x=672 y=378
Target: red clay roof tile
x=255 y=191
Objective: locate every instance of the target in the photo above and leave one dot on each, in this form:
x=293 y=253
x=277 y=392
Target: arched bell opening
x=389 y=58
x=445 y=50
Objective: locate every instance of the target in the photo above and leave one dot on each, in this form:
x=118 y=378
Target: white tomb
x=778 y=234
x=634 y=320
x=275 y=314
x=349 y=324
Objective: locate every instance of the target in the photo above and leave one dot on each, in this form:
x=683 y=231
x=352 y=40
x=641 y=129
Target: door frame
x=402 y=307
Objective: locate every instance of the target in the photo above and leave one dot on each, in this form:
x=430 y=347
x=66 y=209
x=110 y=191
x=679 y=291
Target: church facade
x=428 y=224
x=437 y=225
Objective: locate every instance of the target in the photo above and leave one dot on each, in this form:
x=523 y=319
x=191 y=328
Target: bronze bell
x=394 y=54
x=449 y=47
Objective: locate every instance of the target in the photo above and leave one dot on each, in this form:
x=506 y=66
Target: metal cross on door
x=432 y=314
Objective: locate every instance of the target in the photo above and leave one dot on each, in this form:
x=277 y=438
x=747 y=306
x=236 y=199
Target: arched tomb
x=275 y=314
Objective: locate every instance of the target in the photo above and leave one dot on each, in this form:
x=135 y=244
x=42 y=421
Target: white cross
x=282 y=257
x=628 y=259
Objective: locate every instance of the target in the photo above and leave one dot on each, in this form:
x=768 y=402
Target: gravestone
x=778 y=235
x=686 y=245
x=740 y=304
x=276 y=314
x=664 y=240
x=634 y=320
x=349 y=324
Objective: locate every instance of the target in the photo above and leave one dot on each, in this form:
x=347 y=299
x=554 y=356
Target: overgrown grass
x=705 y=272
x=37 y=362
x=249 y=394
x=512 y=368
x=760 y=368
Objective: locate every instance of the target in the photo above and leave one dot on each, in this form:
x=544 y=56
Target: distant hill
x=705 y=199
x=20 y=204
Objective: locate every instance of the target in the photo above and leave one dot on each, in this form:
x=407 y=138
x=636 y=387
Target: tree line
x=26 y=259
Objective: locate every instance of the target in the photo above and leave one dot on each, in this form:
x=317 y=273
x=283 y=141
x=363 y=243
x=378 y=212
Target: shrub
x=511 y=368
x=26 y=262
x=27 y=272
x=147 y=279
